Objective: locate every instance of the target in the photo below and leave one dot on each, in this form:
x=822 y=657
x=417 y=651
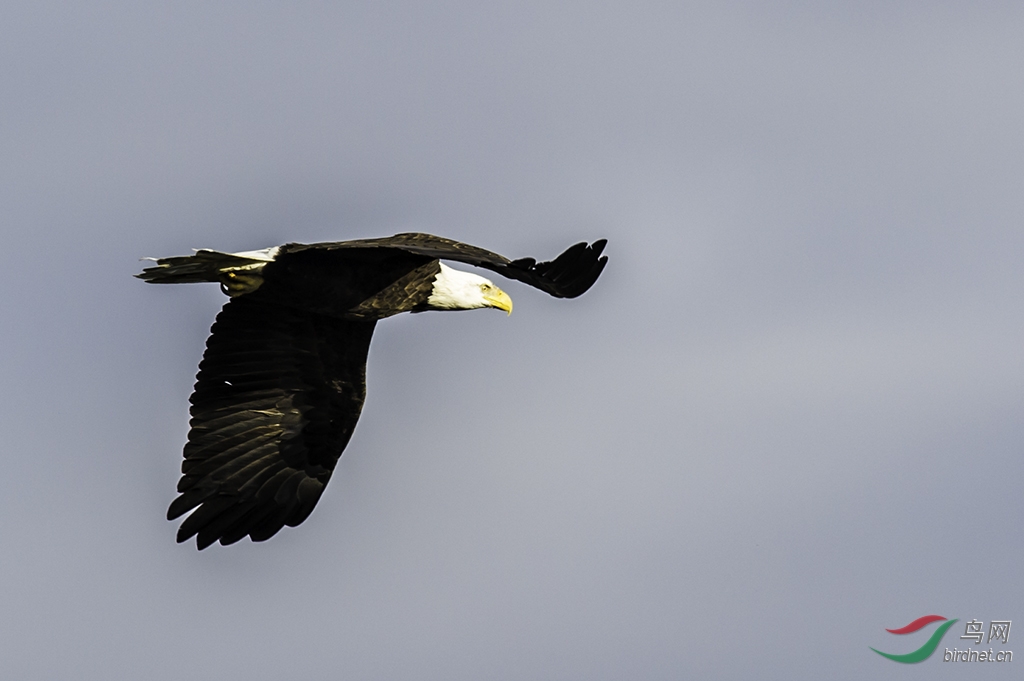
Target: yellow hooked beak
x=499 y=299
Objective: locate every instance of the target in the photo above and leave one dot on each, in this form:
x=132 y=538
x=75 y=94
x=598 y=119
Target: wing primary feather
x=189 y=499
x=244 y=524
x=214 y=530
x=270 y=525
x=210 y=509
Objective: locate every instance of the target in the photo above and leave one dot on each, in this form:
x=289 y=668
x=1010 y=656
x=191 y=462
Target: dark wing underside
x=276 y=399
x=567 y=276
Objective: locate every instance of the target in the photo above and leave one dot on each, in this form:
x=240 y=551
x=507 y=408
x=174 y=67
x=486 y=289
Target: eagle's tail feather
x=202 y=266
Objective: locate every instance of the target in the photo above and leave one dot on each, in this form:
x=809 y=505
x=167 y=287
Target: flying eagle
x=283 y=378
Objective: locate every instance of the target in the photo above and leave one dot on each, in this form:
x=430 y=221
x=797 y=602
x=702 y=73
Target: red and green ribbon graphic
x=930 y=645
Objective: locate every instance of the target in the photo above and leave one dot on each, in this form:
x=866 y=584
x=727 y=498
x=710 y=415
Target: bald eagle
x=283 y=378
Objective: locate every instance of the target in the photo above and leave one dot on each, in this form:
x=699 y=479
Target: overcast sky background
x=787 y=417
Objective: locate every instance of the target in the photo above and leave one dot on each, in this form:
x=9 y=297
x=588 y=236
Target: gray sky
x=787 y=417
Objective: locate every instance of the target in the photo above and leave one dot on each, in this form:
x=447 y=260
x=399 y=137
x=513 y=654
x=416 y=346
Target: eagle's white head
x=456 y=290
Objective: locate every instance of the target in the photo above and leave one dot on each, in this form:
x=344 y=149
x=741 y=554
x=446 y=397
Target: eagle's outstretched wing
x=276 y=399
x=567 y=276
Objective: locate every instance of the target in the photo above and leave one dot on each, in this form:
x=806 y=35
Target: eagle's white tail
x=205 y=266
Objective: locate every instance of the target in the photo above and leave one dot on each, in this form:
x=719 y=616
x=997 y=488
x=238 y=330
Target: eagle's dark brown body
x=358 y=283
